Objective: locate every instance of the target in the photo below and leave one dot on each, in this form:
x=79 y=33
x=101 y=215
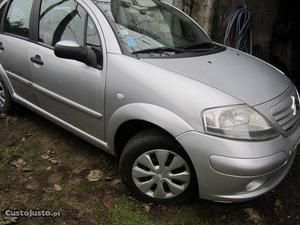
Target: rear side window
x=18 y=17
x=2 y=9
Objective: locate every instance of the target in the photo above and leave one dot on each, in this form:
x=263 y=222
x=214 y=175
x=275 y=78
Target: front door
x=68 y=89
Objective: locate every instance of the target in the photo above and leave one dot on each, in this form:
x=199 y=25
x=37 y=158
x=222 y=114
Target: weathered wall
x=202 y=11
x=212 y=15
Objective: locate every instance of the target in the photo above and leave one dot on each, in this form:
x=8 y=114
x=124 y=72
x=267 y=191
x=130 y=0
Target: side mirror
x=72 y=50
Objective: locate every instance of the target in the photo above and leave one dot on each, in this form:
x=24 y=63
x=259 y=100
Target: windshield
x=143 y=26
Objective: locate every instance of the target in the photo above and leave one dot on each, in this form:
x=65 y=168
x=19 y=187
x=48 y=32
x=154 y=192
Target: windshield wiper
x=203 y=47
x=160 y=50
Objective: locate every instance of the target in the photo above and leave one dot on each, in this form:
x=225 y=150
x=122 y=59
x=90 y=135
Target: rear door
x=68 y=89
x=14 y=46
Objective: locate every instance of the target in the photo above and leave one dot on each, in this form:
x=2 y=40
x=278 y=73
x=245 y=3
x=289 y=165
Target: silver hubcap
x=161 y=174
x=2 y=96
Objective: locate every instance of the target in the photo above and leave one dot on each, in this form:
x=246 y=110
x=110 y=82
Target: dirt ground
x=44 y=167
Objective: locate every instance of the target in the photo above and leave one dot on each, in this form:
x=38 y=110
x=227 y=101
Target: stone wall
x=212 y=15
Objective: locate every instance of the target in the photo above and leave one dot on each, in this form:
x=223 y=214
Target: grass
x=52 y=200
x=7 y=155
x=125 y=211
x=89 y=187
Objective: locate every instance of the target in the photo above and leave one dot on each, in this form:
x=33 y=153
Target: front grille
x=287 y=113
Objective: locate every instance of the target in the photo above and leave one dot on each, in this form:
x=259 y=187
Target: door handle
x=1 y=46
x=37 y=60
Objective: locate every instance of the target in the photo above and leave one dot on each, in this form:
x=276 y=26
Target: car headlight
x=238 y=122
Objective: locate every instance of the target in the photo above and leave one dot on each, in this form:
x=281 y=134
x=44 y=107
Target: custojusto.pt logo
x=31 y=213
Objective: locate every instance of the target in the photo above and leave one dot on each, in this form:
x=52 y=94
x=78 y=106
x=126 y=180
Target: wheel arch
x=134 y=118
x=6 y=81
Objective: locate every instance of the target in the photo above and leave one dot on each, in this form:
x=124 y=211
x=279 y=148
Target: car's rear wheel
x=5 y=100
x=155 y=168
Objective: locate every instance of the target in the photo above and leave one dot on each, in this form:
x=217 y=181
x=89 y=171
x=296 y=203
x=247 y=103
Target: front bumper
x=234 y=171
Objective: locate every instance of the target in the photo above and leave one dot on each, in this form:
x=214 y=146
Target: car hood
x=240 y=75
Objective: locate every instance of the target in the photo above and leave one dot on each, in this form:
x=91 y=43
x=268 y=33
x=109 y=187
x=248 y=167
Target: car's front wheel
x=155 y=168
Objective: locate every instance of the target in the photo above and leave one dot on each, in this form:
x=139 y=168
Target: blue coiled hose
x=238 y=33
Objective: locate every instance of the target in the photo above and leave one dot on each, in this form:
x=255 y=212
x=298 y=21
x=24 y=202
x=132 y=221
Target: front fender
x=156 y=115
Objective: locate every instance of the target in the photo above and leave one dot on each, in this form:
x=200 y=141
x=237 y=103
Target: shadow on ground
x=55 y=159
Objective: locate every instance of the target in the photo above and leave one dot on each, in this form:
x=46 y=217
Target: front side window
x=18 y=18
x=150 y=24
x=92 y=38
x=61 y=20
x=67 y=20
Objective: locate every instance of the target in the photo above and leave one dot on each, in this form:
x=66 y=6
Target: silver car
x=141 y=80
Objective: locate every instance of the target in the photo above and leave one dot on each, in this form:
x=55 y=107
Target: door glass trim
x=17 y=36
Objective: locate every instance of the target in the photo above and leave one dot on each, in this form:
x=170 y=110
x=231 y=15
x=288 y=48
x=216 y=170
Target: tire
x=5 y=99
x=158 y=179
